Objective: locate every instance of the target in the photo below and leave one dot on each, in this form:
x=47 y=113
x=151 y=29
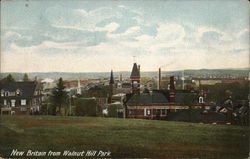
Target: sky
x=100 y=35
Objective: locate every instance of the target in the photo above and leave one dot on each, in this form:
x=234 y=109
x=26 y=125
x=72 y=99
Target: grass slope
x=130 y=138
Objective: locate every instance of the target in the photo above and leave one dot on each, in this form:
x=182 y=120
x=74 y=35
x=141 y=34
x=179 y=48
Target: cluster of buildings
x=132 y=98
x=156 y=104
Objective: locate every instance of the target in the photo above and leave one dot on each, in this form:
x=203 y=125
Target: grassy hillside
x=123 y=137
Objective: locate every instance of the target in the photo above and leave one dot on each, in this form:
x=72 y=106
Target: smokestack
x=183 y=79
x=120 y=77
x=159 y=84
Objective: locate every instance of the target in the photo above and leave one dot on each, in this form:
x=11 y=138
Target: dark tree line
x=220 y=91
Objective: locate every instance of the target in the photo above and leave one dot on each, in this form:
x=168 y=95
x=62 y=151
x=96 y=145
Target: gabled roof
x=135 y=71
x=147 y=98
x=26 y=88
x=96 y=88
x=186 y=96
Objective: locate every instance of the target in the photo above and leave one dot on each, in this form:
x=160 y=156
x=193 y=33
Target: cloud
x=128 y=34
x=42 y=48
x=80 y=19
x=107 y=37
x=15 y=36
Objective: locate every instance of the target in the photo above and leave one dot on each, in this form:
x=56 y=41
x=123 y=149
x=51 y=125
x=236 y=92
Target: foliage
x=25 y=77
x=112 y=110
x=9 y=78
x=59 y=96
x=86 y=107
x=48 y=108
x=220 y=91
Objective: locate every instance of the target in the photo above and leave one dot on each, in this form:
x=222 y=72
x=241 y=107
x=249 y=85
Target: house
x=99 y=94
x=20 y=97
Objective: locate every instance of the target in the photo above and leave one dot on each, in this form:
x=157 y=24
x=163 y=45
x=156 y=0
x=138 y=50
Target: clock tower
x=135 y=79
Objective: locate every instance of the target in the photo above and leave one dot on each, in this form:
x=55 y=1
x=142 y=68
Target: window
x=130 y=112
x=6 y=94
x=13 y=102
x=5 y=102
x=163 y=112
x=23 y=101
x=145 y=111
x=135 y=84
x=148 y=112
x=158 y=112
x=201 y=100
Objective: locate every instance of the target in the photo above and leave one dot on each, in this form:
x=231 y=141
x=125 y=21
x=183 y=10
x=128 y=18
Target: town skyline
x=83 y=36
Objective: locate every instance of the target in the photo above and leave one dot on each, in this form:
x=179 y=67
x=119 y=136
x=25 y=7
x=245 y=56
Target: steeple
x=135 y=71
x=111 y=81
x=111 y=87
x=79 y=87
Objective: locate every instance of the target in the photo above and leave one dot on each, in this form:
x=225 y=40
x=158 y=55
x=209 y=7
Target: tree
x=25 y=77
x=9 y=78
x=221 y=91
x=87 y=107
x=59 y=95
x=112 y=110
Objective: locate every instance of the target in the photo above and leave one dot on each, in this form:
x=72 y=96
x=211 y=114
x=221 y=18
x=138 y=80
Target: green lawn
x=123 y=137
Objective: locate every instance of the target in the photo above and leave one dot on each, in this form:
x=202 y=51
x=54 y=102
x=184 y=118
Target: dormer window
x=18 y=92
x=201 y=100
x=6 y=94
x=2 y=93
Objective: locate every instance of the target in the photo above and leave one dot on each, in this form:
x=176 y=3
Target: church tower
x=79 y=91
x=111 y=86
x=135 y=79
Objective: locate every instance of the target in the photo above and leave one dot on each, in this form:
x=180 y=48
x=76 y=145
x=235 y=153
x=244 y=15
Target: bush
x=86 y=107
x=112 y=110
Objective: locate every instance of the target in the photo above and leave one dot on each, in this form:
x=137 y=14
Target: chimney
x=172 y=90
x=139 y=69
x=172 y=87
x=159 y=84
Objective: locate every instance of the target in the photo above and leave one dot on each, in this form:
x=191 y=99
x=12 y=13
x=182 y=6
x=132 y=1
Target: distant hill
x=93 y=75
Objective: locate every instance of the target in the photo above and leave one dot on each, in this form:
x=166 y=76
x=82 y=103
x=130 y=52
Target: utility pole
x=183 y=79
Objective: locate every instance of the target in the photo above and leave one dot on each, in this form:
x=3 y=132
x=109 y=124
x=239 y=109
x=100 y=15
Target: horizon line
x=245 y=68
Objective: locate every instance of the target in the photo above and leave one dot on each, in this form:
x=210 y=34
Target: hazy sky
x=99 y=35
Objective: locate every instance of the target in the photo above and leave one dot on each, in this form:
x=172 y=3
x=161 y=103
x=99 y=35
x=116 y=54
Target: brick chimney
x=172 y=90
x=139 y=69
